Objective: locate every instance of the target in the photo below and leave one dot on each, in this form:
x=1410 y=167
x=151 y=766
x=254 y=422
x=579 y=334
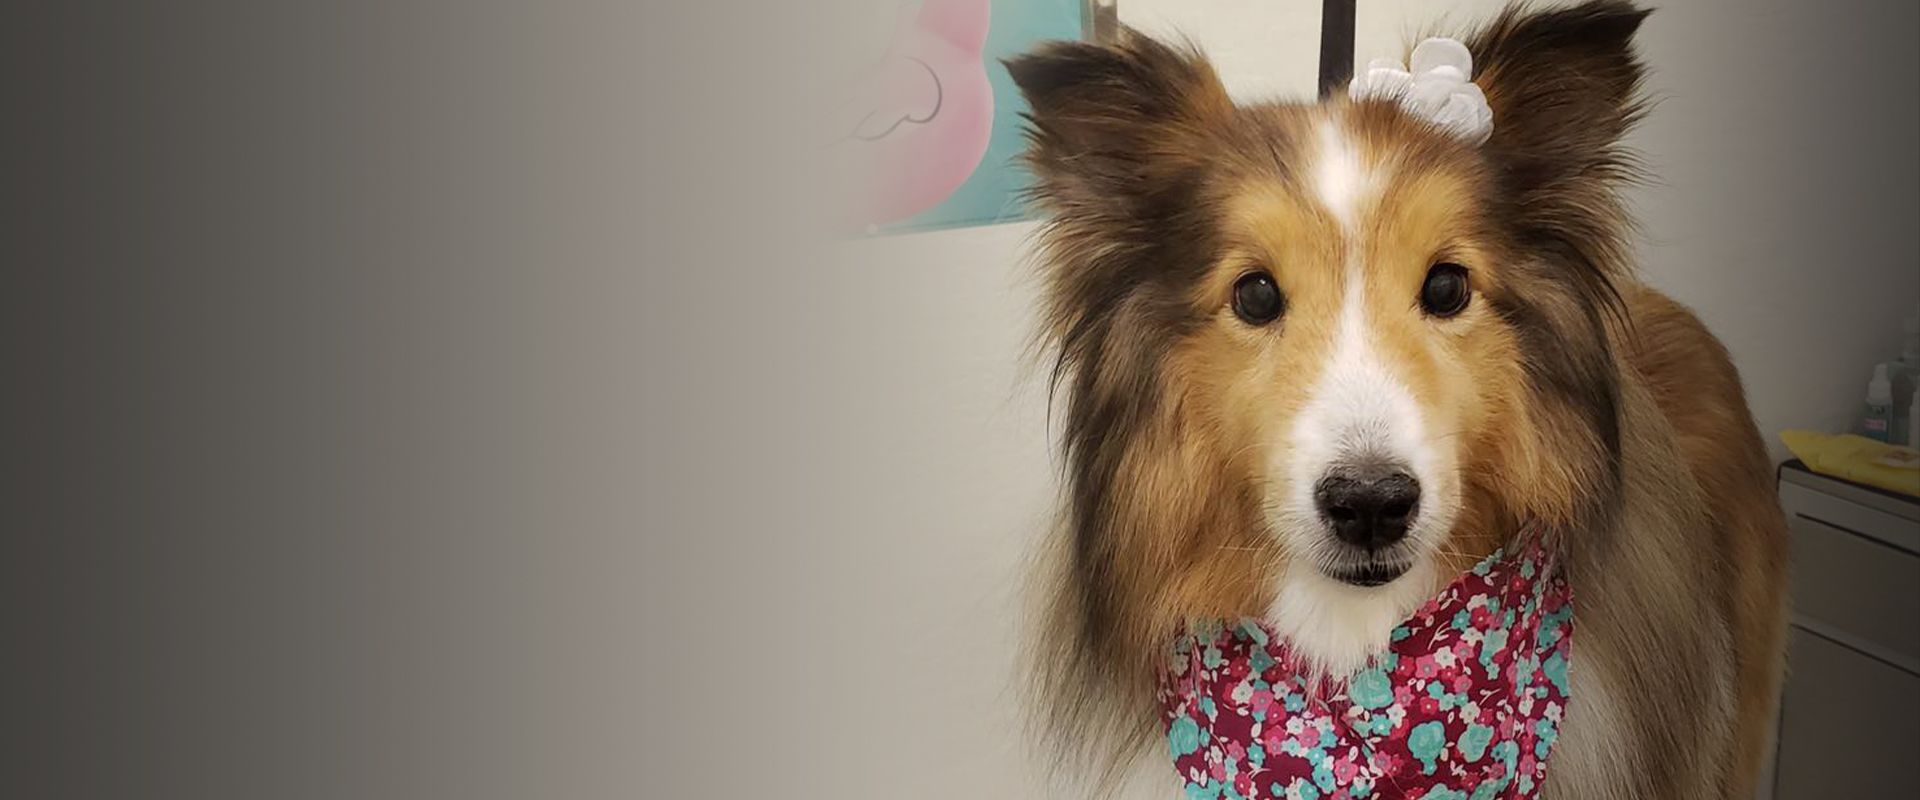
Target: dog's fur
x=1567 y=394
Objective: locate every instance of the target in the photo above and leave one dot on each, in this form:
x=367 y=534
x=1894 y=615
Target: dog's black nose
x=1368 y=506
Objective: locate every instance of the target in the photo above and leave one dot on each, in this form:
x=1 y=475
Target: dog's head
x=1316 y=359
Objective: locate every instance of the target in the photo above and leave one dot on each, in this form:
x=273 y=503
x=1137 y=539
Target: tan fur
x=1683 y=618
x=1692 y=380
x=1650 y=631
x=1567 y=394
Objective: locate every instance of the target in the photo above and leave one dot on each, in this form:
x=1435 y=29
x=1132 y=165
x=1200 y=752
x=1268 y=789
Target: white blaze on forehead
x=1340 y=179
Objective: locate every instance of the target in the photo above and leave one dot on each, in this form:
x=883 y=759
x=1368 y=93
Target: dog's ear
x=1108 y=122
x=1564 y=86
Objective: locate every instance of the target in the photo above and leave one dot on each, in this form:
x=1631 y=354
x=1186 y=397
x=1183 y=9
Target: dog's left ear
x=1564 y=86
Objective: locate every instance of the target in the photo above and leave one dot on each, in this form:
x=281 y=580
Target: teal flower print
x=1548 y=733
x=1212 y=658
x=1261 y=661
x=1183 y=736
x=1425 y=742
x=1508 y=754
x=1323 y=776
x=1486 y=566
x=1473 y=742
x=1495 y=643
x=1556 y=668
x=1371 y=690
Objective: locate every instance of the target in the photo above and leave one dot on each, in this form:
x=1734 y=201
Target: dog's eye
x=1445 y=293
x=1256 y=299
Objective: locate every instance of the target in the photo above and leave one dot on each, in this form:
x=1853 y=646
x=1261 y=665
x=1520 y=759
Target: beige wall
x=1261 y=48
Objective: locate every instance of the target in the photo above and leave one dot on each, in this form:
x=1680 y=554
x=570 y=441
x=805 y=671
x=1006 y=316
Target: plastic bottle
x=1904 y=374
x=1913 y=422
x=1879 y=405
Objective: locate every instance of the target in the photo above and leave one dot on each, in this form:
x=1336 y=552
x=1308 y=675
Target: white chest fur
x=1339 y=627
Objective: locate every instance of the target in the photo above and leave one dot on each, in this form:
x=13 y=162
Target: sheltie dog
x=1316 y=359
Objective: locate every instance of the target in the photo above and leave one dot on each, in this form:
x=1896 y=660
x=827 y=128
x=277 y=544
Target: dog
x=1314 y=360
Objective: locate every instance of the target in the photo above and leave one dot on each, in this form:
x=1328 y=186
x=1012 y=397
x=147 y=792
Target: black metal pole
x=1336 y=44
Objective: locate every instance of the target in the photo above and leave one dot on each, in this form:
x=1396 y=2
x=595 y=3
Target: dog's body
x=1318 y=359
x=1683 y=603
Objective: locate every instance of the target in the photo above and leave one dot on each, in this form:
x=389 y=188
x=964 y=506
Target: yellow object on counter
x=1858 y=459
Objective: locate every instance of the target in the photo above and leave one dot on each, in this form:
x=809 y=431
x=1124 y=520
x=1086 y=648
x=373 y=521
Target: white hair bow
x=1438 y=87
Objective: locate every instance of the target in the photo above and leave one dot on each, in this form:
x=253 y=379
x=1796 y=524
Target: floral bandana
x=1464 y=705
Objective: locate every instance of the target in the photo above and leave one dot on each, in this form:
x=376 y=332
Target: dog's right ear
x=1111 y=122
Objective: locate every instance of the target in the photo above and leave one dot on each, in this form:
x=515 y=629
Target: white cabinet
x=1850 y=718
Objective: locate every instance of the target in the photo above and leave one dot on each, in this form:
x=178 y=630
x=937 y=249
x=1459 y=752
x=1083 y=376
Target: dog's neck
x=1338 y=627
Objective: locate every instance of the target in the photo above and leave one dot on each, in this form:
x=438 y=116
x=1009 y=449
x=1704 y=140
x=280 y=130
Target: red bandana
x=1465 y=704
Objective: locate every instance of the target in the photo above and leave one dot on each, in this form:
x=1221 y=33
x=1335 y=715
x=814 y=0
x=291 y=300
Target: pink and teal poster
x=934 y=123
